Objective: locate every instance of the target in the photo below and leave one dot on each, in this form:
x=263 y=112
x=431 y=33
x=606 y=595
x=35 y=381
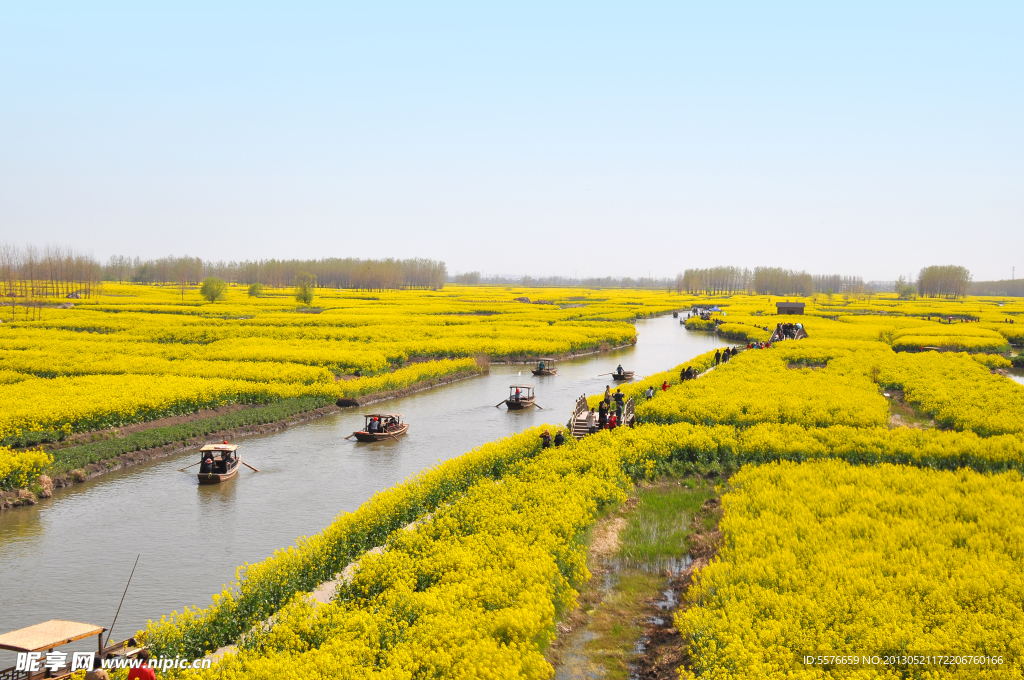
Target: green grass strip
x=74 y=457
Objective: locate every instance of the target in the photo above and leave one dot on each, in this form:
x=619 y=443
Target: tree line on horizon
x=58 y=271
x=333 y=272
x=765 y=281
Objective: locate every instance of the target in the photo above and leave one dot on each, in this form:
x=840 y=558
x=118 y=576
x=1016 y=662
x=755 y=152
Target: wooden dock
x=778 y=336
x=578 y=422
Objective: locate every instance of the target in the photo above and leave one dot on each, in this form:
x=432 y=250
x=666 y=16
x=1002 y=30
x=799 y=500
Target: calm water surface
x=69 y=557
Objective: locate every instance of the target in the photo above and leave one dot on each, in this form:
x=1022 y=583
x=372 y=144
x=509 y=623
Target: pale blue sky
x=546 y=138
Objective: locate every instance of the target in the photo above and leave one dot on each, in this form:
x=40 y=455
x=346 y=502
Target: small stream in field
x=69 y=556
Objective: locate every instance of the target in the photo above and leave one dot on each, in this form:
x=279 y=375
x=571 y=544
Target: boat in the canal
x=520 y=397
x=381 y=426
x=218 y=463
x=546 y=367
x=624 y=375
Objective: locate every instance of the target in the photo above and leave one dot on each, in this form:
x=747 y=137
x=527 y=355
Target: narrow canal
x=69 y=557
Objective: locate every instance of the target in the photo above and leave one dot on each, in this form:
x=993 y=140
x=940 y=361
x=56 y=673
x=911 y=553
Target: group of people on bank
x=545 y=439
x=723 y=356
x=608 y=414
x=789 y=331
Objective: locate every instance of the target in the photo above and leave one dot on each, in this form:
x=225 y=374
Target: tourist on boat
x=540 y=366
x=559 y=438
x=592 y=421
x=392 y=424
x=207 y=466
x=619 y=369
x=545 y=440
x=649 y=394
x=374 y=425
x=516 y=396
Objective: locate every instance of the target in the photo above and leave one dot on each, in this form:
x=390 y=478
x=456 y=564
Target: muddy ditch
x=635 y=601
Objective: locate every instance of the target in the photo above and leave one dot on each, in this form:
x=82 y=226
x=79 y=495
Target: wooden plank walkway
x=578 y=421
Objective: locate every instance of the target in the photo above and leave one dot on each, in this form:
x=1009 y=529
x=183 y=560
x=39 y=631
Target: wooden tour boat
x=218 y=463
x=520 y=397
x=388 y=426
x=546 y=367
x=625 y=375
x=45 y=637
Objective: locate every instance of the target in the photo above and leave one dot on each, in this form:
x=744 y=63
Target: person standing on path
x=592 y=421
x=718 y=357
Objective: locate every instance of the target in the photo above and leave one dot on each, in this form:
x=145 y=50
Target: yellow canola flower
x=93 y=402
x=20 y=469
x=851 y=560
x=760 y=386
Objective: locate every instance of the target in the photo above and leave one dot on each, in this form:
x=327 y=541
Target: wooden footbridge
x=788 y=331
x=578 y=422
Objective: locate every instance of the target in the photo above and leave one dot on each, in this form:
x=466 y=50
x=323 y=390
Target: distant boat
x=546 y=367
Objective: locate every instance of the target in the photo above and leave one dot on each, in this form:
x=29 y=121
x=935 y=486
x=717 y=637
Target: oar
x=351 y=435
x=188 y=466
x=600 y=374
x=499 y=403
x=539 y=406
x=248 y=466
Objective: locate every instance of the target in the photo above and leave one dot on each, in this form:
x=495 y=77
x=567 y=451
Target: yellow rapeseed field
x=886 y=562
x=845 y=530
